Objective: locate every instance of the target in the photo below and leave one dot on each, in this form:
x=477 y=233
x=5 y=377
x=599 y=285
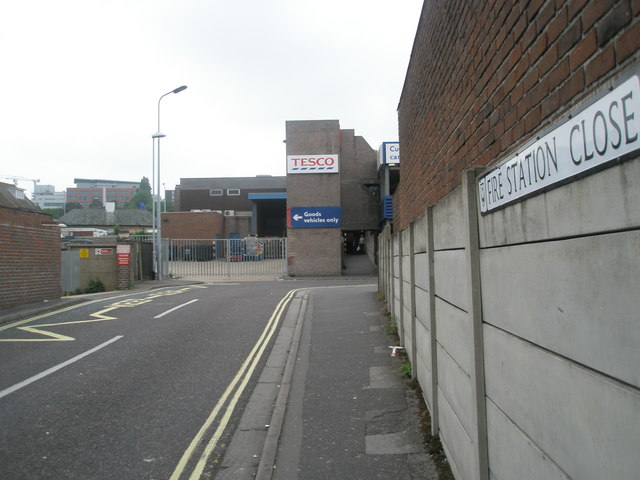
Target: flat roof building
x=327 y=205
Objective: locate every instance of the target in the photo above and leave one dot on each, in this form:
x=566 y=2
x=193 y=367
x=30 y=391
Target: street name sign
x=604 y=132
x=314 y=217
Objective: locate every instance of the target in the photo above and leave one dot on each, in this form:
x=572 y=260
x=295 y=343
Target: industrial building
x=329 y=199
x=89 y=190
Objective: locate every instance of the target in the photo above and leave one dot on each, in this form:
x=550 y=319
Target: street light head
x=179 y=89
x=158 y=135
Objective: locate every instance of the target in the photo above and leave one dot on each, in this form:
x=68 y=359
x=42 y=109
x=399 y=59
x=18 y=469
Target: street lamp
x=157 y=213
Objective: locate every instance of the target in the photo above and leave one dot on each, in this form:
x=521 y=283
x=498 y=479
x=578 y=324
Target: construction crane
x=16 y=179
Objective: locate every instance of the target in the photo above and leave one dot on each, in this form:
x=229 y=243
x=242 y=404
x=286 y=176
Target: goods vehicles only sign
x=314 y=217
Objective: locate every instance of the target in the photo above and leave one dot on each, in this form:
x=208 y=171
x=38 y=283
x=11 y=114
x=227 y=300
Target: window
x=233 y=191
x=215 y=192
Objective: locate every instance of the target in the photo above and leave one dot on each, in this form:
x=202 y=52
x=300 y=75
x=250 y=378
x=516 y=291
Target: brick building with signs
x=332 y=194
x=329 y=199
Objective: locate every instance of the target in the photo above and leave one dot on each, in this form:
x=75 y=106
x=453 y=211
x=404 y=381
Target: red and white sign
x=123 y=248
x=312 y=164
x=123 y=259
x=103 y=251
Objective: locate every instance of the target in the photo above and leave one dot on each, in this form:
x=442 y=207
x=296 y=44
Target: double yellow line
x=242 y=378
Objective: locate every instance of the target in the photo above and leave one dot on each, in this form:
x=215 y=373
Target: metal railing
x=235 y=257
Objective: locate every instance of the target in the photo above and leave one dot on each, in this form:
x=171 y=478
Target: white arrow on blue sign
x=314 y=217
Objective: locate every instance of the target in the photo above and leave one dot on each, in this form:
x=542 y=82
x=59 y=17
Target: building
x=332 y=196
x=94 y=221
x=29 y=251
x=331 y=173
x=250 y=205
x=103 y=191
x=388 y=179
x=45 y=196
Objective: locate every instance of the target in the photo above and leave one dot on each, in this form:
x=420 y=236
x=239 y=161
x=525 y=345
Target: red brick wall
x=192 y=225
x=29 y=258
x=484 y=77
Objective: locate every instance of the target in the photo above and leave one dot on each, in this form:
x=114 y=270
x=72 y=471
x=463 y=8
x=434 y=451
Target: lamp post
x=157 y=211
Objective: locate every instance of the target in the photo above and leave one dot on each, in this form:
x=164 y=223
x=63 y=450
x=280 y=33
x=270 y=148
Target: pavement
x=330 y=402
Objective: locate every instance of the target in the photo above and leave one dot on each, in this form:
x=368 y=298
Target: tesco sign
x=312 y=164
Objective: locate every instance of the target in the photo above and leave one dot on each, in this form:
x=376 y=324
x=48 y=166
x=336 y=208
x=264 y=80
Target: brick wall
x=313 y=251
x=192 y=225
x=29 y=258
x=484 y=77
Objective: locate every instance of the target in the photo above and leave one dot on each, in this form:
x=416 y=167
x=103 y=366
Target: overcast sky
x=81 y=81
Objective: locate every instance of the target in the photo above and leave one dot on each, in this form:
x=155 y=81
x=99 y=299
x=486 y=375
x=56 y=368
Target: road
x=143 y=385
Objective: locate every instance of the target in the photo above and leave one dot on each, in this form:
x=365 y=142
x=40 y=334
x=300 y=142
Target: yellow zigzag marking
x=98 y=317
x=57 y=337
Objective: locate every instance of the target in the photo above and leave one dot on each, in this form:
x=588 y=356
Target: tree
x=168 y=206
x=142 y=196
x=72 y=206
x=54 y=212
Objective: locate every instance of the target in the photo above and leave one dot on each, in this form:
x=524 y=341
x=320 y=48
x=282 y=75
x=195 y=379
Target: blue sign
x=314 y=217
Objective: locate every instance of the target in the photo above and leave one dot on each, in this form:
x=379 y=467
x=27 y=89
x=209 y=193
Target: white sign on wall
x=389 y=153
x=312 y=164
x=602 y=133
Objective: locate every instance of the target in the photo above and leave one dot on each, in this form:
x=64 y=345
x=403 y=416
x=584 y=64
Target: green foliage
x=142 y=195
x=405 y=370
x=54 y=212
x=145 y=186
x=392 y=326
x=95 y=286
x=72 y=206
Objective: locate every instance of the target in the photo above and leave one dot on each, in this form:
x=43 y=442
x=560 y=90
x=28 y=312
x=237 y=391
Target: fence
x=225 y=257
x=522 y=327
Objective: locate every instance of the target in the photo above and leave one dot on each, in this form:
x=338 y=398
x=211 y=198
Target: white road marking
x=51 y=370
x=175 y=308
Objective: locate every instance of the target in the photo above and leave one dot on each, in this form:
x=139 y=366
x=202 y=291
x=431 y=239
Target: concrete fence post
x=472 y=248
x=433 y=337
x=412 y=307
x=392 y=275
x=400 y=293
x=389 y=272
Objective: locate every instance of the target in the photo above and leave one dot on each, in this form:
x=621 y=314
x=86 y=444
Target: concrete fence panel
x=584 y=422
x=512 y=454
x=452 y=281
x=448 y=222
x=558 y=295
x=455 y=438
x=522 y=327
x=607 y=201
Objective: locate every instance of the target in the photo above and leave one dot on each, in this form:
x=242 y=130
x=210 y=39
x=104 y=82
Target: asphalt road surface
x=143 y=385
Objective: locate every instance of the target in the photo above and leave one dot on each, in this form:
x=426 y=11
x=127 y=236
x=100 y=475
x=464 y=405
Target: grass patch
x=95 y=286
x=392 y=327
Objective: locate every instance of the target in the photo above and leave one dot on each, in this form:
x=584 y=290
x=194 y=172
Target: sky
x=81 y=80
